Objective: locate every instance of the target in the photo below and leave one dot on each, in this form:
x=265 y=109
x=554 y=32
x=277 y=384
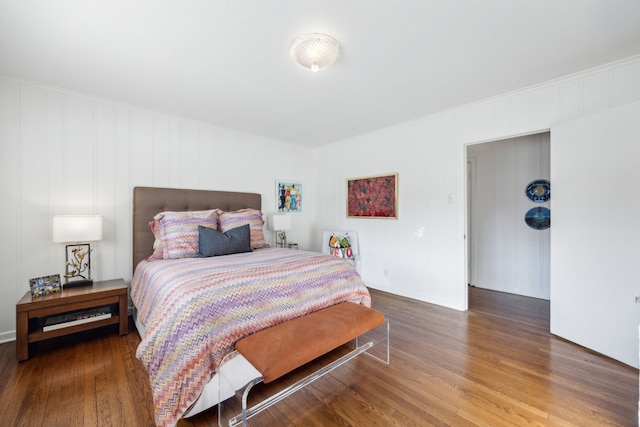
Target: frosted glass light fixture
x=315 y=51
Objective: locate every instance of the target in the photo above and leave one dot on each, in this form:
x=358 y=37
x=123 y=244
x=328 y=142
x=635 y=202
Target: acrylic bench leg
x=235 y=376
x=378 y=335
x=244 y=412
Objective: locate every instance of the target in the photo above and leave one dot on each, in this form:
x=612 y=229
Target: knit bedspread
x=195 y=309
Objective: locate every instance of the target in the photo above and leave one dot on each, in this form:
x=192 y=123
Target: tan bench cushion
x=282 y=348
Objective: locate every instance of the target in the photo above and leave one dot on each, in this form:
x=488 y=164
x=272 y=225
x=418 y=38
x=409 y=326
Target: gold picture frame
x=373 y=197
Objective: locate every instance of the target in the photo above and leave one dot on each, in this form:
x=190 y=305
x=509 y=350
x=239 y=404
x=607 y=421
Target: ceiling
x=226 y=62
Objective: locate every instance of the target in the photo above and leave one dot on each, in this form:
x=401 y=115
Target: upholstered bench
x=280 y=349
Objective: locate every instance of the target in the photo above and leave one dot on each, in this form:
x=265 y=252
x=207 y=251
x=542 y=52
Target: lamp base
x=281 y=239
x=88 y=282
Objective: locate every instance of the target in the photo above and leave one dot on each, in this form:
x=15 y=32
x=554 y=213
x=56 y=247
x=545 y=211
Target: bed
x=191 y=310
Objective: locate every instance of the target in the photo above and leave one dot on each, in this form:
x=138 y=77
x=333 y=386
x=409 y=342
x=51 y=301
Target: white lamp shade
x=77 y=228
x=280 y=222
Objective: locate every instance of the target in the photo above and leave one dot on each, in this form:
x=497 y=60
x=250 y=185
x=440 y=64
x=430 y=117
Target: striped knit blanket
x=195 y=309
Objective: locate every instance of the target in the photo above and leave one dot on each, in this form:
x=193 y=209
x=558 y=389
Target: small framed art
x=289 y=198
x=373 y=197
x=45 y=285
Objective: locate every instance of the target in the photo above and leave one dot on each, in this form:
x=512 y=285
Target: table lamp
x=77 y=228
x=280 y=223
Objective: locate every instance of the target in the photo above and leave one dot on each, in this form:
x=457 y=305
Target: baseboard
x=7 y=337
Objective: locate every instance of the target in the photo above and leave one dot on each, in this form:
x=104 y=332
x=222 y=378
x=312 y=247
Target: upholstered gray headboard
x=148 y=201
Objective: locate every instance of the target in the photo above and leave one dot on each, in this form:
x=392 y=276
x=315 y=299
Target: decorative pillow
x=157 y=243
x=179 y=231
x=213 y=242
x=340 y=246
x=253 y=217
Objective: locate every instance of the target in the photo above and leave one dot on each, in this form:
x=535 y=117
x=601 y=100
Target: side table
x=31 y=312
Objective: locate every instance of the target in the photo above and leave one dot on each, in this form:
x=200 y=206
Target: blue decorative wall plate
x=538 y=218
x=538 y=191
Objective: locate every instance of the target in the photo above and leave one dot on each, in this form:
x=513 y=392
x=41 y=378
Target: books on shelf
x=76 y=318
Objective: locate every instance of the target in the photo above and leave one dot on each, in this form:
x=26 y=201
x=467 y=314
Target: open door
x=505 y=253
x=595 y=232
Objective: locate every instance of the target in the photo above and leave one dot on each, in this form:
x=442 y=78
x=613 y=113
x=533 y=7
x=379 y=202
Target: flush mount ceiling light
x=315 y=51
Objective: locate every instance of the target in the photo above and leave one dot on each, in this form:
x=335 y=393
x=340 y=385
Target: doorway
x=506 y=253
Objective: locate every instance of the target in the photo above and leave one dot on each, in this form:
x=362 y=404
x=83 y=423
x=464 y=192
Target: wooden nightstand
x=32 y=312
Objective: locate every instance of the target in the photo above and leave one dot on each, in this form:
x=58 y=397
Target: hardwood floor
x=495 y=365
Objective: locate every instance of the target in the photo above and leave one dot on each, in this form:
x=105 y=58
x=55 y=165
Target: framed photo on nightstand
x=45 y=285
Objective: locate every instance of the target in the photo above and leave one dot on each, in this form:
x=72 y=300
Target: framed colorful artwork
x=288 y=197
x=373 y=197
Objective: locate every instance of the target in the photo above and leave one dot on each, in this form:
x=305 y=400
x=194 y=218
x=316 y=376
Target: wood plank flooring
x=495 y=365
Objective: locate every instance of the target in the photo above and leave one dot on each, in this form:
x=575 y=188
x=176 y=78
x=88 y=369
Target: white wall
x=505 y=253
x=423 y=252
x=595 y=246
x=420 y=255
x=67 y=153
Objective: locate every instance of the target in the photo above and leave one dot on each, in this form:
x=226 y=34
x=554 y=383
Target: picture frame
x=45 y=285
x=373 y=197
x=289 y=197
x=77 y=264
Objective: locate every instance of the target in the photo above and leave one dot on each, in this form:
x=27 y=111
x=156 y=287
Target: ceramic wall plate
x=538 y=191
x=538 y=218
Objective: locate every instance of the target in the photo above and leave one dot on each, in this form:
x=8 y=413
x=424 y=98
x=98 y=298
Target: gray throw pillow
x=212 y=242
